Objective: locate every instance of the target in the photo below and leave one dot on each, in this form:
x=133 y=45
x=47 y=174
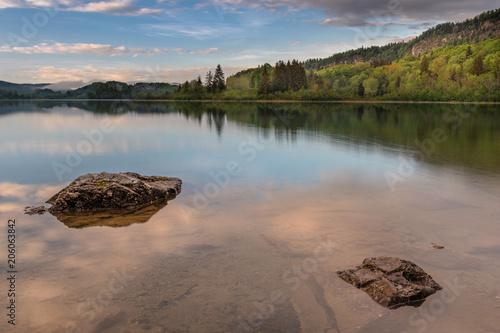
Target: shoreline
x=270 y=101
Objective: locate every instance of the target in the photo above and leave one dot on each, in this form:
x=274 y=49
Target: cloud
x=8 y=4
x=91 y=73
x=111 y=7
x=98 y=49
x=66 y=85
x=374 y=10
x=80 y=48
x=422 y=25
x=399 y=40
x=346 y=22
x=270 y=56
x=391 y=40
x=418 y=10
x=192 y=30
x=351 y=21
x=212 y=50
x=23 y=192
x=294 y=43
x=116 y=7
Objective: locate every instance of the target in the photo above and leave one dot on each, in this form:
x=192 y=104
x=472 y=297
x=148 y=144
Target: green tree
x=219 y=83
x=209 y=80
x=468 y=53
x=361 y=89
x=370 y=86
x=198 y=87
x=424 y=65
x=264 y=83
x=297 y=75
x=242 y=82
x=279 y=82
x=477 y=65
x=185 y=87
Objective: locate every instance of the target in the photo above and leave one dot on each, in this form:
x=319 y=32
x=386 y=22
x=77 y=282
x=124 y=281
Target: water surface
x=276 y=199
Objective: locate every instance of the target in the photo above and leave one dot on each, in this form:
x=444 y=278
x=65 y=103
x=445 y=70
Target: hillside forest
x=451 y=73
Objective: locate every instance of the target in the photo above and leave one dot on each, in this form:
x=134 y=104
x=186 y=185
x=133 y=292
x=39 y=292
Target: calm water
x=276 y=199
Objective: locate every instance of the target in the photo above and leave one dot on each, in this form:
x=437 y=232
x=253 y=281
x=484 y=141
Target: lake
x=276 y=198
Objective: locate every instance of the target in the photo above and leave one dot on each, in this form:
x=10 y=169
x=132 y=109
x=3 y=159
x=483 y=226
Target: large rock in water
x=124 y=191
x=391 y=281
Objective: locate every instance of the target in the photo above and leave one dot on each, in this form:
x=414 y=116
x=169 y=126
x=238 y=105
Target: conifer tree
x=477 y=65
x=265 y=82
x=185 y=87
x=361 y=89
x=209 y=79
x=288 y=75
x=424 y=65
x=198 y=87
x=468 y=53
x=298 y=77
x=219 y=83
x=397 y=84
x=279 y=77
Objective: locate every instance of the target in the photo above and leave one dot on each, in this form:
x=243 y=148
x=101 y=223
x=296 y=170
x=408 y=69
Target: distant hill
x=474 y=30
x=120 y=90
x=96 y=90
x=21 y=88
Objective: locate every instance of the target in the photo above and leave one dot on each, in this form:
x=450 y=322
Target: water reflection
x=319 y=175
x=113 y=219
x=470 y=133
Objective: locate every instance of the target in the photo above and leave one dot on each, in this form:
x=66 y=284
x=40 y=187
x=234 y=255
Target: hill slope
x=469 y=72
x=474 y=30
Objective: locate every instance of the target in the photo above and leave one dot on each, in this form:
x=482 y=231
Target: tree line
x=215 y=83
x=452 y=73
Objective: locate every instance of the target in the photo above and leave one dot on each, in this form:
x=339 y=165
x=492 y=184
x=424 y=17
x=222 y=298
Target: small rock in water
x=439 y=247
x=34 y=210
x=392 y=282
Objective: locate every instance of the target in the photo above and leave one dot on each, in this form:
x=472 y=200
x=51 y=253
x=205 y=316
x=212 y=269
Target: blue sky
x=73 y=42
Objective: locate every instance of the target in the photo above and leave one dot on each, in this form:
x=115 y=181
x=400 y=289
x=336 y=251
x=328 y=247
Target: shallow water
x=276 y=198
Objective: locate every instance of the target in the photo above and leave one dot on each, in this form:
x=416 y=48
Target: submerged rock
x=113 y=218
x=392 y=282
x=113 y=191
x=35 y=210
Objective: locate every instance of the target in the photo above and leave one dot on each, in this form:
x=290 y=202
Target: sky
x=70 y=43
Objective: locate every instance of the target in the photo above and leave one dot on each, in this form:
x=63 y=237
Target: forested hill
x=473 y=30
x=96 y=90
x=469 y=72
x=21 y=88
